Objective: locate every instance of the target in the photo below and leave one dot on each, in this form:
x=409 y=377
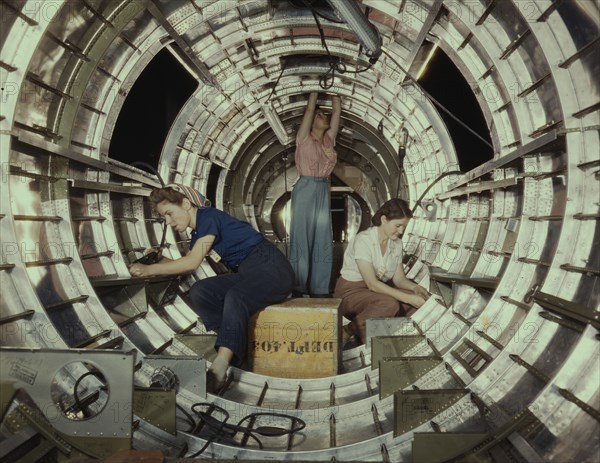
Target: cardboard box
x=298 y=338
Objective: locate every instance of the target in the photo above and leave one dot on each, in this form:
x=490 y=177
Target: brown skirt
x=359 y=303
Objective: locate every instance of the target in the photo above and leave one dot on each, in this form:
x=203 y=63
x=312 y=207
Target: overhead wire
x=283 y=68
x=336 y=65
x=334 y=62
x=323 y=80
x=432 y=184
x=285 y=181
x=434 y=100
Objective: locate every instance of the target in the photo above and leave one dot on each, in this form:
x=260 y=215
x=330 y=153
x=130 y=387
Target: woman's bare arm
x=307 y=120
x=336 y=113
x=185 y=264
x=400 y=281
x=368 y=273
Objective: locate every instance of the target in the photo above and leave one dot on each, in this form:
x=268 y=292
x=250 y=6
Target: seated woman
x=262 y=274
x=372 y=282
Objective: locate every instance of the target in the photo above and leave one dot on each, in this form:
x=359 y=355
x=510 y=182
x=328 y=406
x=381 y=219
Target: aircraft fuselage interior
x=483 y=115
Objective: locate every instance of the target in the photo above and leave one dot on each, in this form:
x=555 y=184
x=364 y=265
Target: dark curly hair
x=166 y=194
x=395 y=208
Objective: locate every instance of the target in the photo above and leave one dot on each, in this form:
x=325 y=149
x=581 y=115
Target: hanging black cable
x=285 y=159
x=189 y=418
x=324 y=79
x=95 y=373
x=359 y=71
x=283 y=67
x=431 y=185
x=425 y=92
x=210 y=422
x=399 y=178
x=436 y=102
x=329 y=15
x=333 y=63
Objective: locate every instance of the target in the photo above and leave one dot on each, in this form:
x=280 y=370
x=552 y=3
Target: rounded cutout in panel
x=79 y=390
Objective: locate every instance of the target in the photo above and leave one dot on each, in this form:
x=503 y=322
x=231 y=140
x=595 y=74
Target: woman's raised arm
x=307 y=120
x=336 y=113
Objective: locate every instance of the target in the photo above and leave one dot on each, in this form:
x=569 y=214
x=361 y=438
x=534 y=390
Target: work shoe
x=349 y=340
x=214 y=384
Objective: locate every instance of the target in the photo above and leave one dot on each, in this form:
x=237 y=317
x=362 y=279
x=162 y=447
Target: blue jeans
x=226 y=302
x=311 y=236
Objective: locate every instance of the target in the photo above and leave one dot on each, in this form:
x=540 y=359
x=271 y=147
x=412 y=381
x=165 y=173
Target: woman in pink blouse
x=311 y=238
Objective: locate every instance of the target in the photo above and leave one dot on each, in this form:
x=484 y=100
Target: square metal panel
x=390 y=326
x=444 y=446
x=396 y=374
x=387 y=347
x=156 y=406
x=201 y=344
x=414 y=407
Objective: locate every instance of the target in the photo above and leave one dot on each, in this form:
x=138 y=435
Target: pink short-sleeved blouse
x=316 y=159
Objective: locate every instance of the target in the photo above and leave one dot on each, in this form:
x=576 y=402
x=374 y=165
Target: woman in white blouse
x=372 y=282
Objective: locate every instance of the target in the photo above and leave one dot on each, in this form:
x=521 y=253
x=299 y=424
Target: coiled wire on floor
x=220 y=429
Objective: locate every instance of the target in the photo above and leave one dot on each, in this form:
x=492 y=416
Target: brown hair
x=168 y=194
x=395 y=208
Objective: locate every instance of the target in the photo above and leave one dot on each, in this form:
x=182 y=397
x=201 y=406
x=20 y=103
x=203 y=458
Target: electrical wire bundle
x=327 y=80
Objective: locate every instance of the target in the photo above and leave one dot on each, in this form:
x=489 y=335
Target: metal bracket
x=412 y=408
x=444 y=446
x=157 y=407
x=23 y=417
x=162 y=293
x=128 y=301
x=566 y=308
x=388 y=347
x=189 y=372
x=34 y=370
x=396 y=374
x=443 y=291
x=201 y=344
x=7 y=393
x=394 y=326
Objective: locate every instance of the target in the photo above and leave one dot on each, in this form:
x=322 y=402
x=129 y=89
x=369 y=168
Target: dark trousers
x=226 y=302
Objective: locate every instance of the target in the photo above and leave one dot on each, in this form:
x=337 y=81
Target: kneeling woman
x=262 y=276
x=372 y=282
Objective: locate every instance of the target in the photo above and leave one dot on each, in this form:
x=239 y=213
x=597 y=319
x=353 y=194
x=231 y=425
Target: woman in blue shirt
x=262 y=276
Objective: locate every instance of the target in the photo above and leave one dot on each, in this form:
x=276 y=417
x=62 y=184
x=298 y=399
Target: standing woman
x=262 y=274
x=311 y=235
x=372 y=282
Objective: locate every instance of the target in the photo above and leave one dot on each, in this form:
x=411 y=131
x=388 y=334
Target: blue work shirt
x=234 y=239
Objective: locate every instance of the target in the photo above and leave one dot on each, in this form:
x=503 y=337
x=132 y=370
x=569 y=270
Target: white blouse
x=365 y=246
